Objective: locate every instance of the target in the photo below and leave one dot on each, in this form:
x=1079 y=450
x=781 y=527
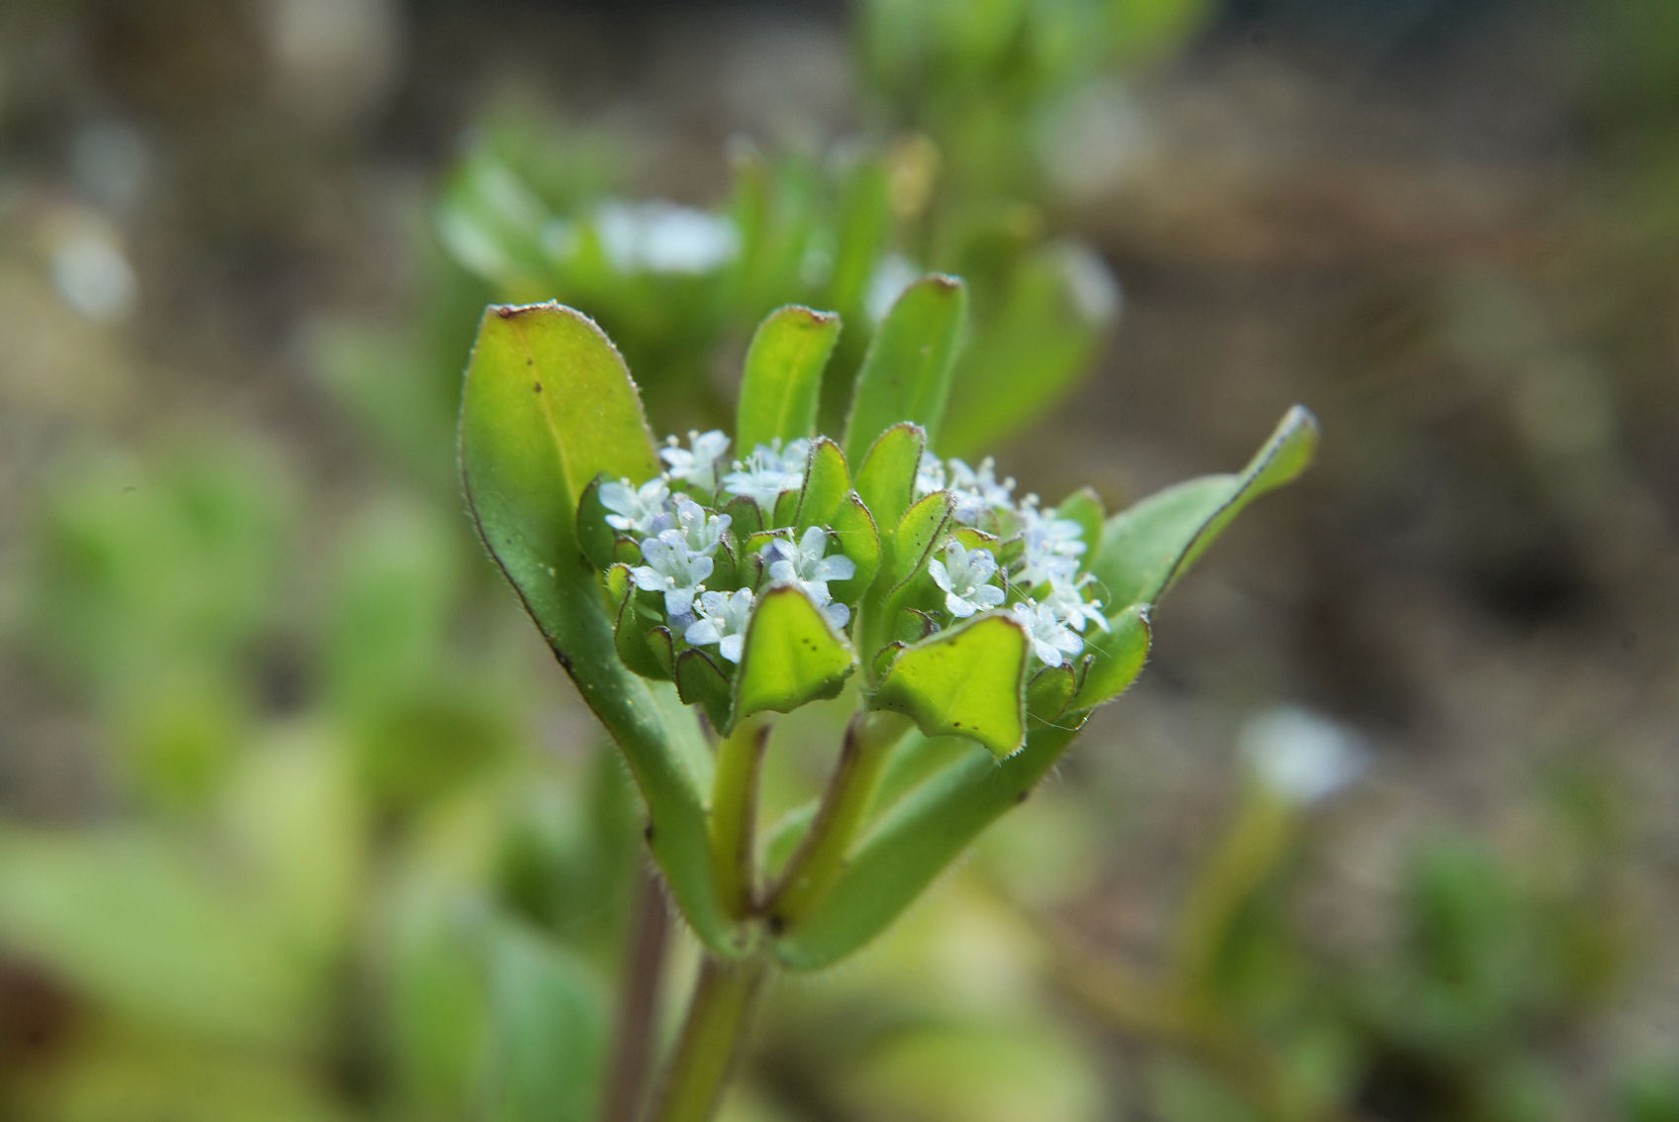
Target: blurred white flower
x=661 y=237
x=1302 y=756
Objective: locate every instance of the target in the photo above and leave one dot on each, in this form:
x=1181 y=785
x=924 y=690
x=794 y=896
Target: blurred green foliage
x=334 y=866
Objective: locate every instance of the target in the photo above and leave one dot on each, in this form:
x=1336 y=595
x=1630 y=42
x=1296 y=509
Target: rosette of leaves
x=851 y=564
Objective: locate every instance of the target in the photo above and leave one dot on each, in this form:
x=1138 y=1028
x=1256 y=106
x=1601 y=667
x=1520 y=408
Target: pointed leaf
x=598 y=539
x=919 y=534
x=1117 y=657
x=886 y=479
x=1084 y=507
x=827 y=483
x=1049 y=692
x=966 y=681
x=860 y=541
x=782 y=385
x=905 y=375
x=702 y=682
x=745 y=517
x=1145 y=549
x=792 y=655
x=630 y=639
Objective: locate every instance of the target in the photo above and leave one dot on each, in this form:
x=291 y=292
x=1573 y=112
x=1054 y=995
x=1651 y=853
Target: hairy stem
x=713 y=1035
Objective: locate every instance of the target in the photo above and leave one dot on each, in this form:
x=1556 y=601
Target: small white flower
x=661 y=237
x=1303 y=756
x=696 y=464
x=675 y=570
x=805 y=564
x=700 y=531
x=635 y=510
x=1067 y=600
x=965 y=577
x=1052 y=546
x=978 y=490
x=929 y=475
x=1052 y=641
x=723 y=620
x=768 y=471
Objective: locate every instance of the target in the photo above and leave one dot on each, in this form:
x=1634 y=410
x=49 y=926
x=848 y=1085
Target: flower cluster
x=999 y=553
x=1034 y=569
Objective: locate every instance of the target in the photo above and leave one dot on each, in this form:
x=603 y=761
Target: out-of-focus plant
x=680 y=289
x=1495 y=963
x=1018 y=94
x=685 y=589
x=327 y=885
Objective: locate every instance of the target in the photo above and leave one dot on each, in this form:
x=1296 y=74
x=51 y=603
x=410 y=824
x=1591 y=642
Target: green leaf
x=782 y=386
x=905 y=375
x=860 y=541
x=1116 y=657
x=547 y=1029
x=1145 y=549
x=700 y=681
x=966 y=681
x=1049 y=692
x=827 y=483
x=1058 y=307
x=187 y=955
x=914 y=842
x=886 y=479
x=792 y=655
x=745 y=517
x=630 y=641
x=547 y=406
x=1084 y=507
x=919 y=534
x=549 y=392
x=597 y=539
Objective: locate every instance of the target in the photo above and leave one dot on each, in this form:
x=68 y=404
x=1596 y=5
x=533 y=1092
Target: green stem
x=1249 y=853
x=820 y=859
x=734 y=801
x=725 y=998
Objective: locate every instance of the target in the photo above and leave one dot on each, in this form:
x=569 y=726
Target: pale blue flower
x=700 y=530
x=768 y=471
x=1053 y=546
x=1052 y=640
x=636 y=510
x=1067 y=600
x=723 y=620
x=805 y=563
x=929 y=475
x=978 y=491
x=965 y=577
x=697 y=464
x=672 y=568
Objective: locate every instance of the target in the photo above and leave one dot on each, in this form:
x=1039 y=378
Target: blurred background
x=299 y=822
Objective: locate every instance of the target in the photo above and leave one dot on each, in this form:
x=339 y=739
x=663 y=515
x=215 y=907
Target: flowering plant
x=741 y=579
